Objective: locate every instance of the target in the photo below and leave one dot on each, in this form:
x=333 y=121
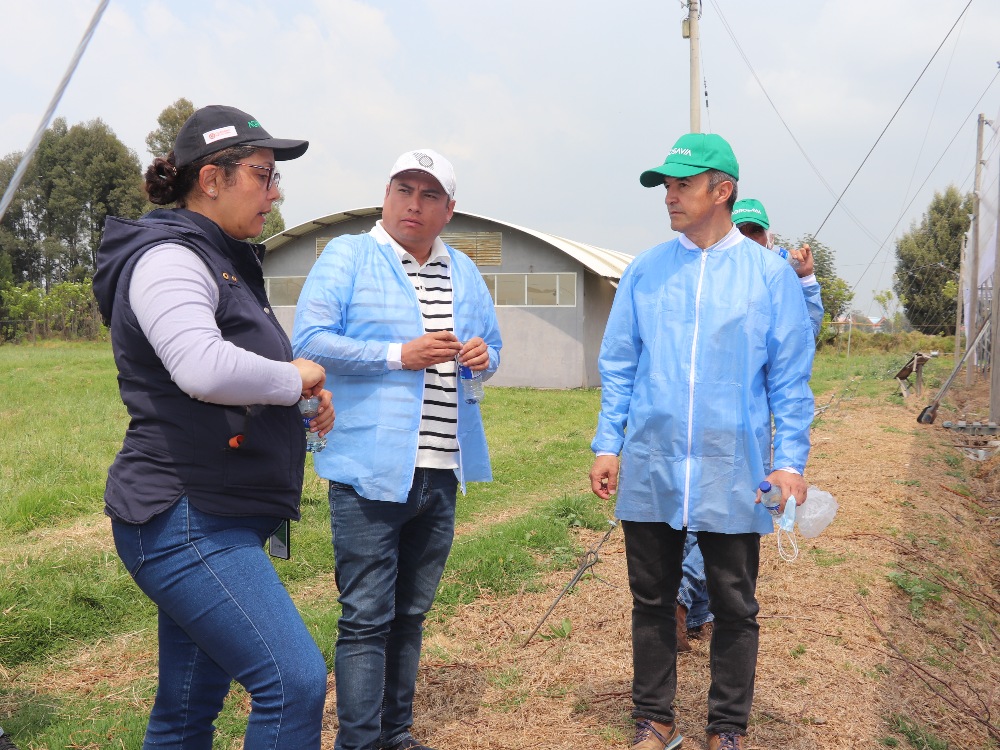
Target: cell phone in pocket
x=279 y=544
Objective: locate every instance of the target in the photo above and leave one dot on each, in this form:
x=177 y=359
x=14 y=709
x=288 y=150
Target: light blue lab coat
x=700 y=349
x=357 y=300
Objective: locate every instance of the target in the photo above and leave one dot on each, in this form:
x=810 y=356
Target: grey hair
x=715 y=177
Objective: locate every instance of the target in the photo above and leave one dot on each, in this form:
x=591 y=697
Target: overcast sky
x=549 y=109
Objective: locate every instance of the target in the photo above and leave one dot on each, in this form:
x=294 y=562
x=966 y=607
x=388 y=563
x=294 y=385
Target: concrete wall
x=544 y=346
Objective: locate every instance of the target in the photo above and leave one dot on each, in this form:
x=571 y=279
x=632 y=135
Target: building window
x=484 y=248
x=284 y=291
x=321 y=242
x=532 y=289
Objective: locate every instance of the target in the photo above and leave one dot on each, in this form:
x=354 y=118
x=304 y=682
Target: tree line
x=83 y=173
x=49 y=236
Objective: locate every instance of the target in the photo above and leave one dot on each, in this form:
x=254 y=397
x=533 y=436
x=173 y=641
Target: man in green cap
x=707 y=340
x=750 y=217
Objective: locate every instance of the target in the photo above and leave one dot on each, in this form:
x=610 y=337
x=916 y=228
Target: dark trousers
x=389 y=560
x=654 y=552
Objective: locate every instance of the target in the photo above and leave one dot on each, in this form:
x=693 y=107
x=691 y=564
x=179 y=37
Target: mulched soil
x=842 y=652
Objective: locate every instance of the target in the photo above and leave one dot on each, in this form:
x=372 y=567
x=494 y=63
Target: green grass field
x=63 y=591
x=63 y=422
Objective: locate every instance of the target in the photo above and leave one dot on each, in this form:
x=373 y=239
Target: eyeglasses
x=749 y=229
x=273 y=177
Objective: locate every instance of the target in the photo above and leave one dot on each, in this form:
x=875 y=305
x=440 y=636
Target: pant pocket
x=128 y=544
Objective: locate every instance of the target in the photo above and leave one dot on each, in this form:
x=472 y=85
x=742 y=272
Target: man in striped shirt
x=388 y=313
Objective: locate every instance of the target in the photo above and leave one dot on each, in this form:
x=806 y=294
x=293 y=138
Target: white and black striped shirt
x=438 y=444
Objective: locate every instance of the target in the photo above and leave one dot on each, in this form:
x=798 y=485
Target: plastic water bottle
x=816 y=513
x=771 y=498
x=787 y=256
x=309 y=408
x=472 y=384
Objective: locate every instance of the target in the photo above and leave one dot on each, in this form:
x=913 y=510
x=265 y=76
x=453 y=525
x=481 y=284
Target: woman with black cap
x=212 y=460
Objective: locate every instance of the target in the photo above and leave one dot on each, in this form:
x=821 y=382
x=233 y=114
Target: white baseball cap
x=429 y=161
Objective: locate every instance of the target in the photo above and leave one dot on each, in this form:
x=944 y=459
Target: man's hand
x=604 y=476
x=790 y=484
x=475 y=354
x=430 y=349
x=323 y=421
x=804 y=256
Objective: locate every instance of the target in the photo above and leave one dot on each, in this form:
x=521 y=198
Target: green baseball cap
x=750 y=209
x=693 y=154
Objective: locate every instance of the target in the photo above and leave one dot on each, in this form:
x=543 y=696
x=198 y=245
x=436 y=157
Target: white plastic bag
x=816 y=513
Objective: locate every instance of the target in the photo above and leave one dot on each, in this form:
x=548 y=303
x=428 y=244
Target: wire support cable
x=22 y=167
x=588 y=561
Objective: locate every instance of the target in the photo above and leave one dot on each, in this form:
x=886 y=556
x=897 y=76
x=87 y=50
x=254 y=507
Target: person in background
x=750 y=218
x=708 y=340
x=694 y=618
x=212 y=461
x=387 y=314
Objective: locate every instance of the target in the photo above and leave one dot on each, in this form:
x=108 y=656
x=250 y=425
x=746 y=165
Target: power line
x=944 y=151
x=815 y=169
x=930 y=119
x=891 y=119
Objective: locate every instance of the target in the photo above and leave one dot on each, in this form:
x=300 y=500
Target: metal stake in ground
x=930 y=411
x=590 y=559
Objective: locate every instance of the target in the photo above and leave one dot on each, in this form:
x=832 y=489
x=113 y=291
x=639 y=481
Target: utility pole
x=995 y=315
x=961 y=295
x=972 y=314
x=689 y=30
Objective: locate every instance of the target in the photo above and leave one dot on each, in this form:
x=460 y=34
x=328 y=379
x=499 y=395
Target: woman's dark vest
x=176 y=445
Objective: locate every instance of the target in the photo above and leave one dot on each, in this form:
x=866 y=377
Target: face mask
x=786 y=532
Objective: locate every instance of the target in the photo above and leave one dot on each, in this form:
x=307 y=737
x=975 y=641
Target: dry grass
x=838 y=642
x=841 y=649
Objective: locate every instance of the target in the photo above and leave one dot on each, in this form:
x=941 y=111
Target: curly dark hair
x=167 y=183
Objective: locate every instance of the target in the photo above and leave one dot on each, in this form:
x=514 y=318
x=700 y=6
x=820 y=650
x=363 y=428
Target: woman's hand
x=313 y=376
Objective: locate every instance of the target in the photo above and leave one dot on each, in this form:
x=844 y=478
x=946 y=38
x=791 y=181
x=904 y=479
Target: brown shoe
x=702 y=633
x=655 y=735
x=682 y=631
x=725 y=741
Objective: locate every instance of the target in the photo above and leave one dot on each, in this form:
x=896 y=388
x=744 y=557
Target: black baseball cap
x=216 y=127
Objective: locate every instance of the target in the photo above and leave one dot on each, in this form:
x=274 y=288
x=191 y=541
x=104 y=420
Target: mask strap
x=786 y=532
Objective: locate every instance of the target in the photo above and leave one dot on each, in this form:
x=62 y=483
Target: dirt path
x=827 y=677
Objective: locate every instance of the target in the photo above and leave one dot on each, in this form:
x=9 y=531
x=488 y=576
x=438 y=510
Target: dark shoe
x=655 y=735
x=407 y=743
x=6 y=743
x=682 y=631
x=725 y=741
x=702 y=633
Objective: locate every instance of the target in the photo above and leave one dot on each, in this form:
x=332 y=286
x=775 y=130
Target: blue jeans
x=654 y=553
x=693 y=593
x=223 y=615
x=389 y=560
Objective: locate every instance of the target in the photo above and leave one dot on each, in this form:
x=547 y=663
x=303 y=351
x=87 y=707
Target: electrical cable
x=926 y=179
x=891 y=119
x=819 y=175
